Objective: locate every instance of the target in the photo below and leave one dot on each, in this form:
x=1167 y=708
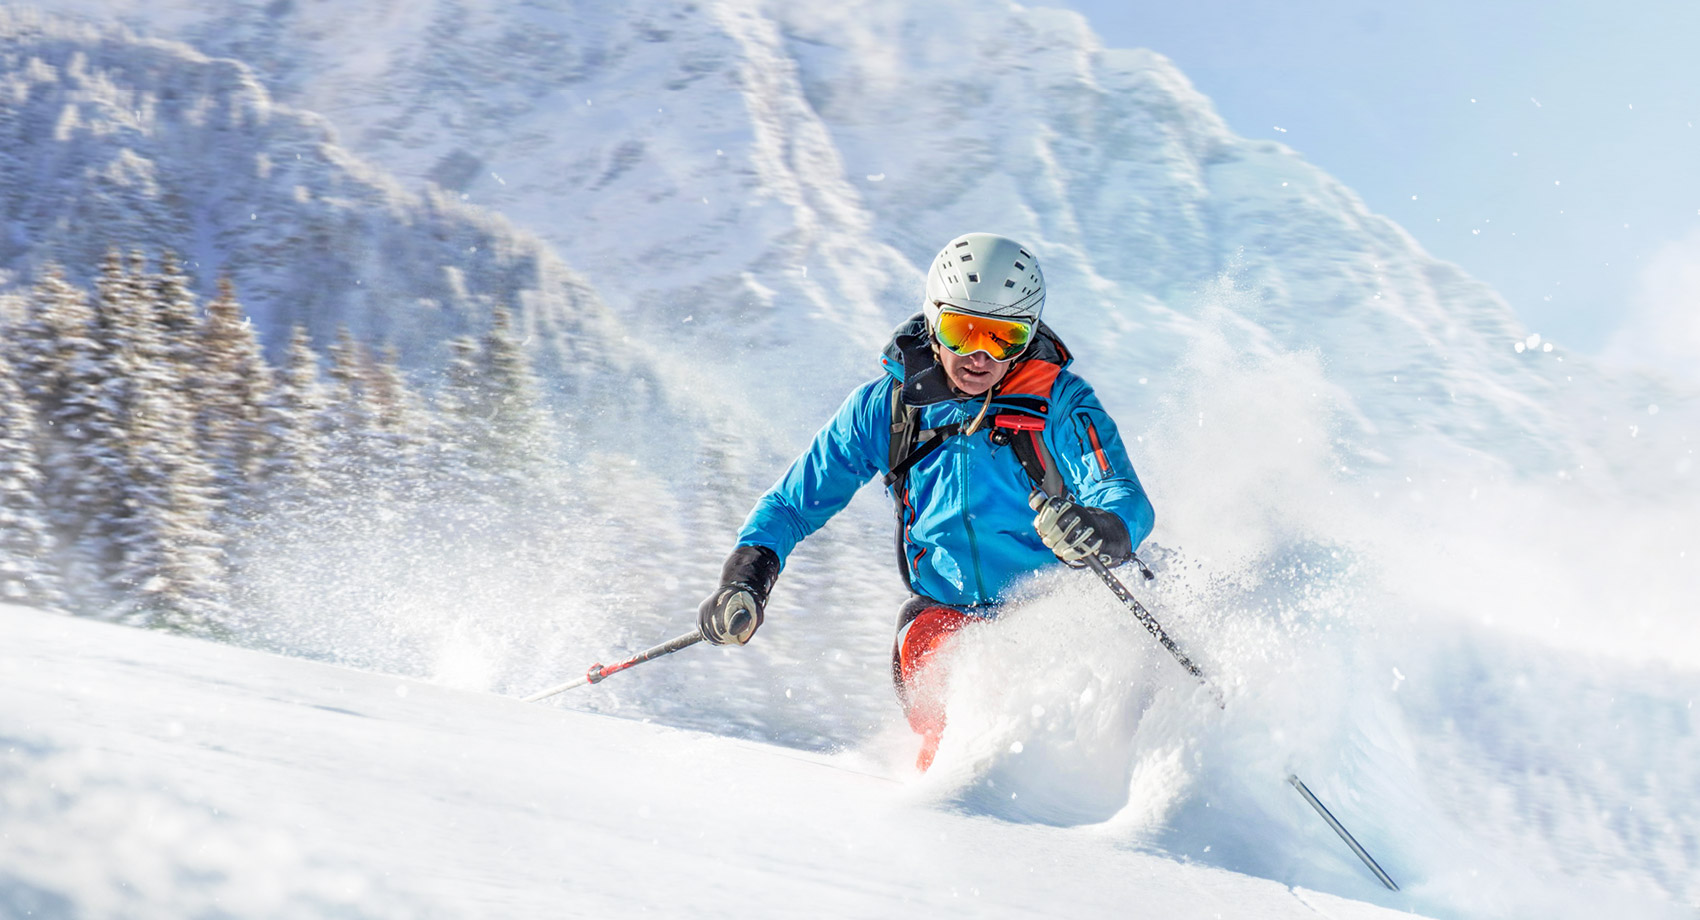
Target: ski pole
x=1151 y=625
x=598 y=672
x=1340 y=829
x=1146 y=619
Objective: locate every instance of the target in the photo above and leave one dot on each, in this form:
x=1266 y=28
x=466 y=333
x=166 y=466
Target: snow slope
x=1443 y=570
x=147 y=776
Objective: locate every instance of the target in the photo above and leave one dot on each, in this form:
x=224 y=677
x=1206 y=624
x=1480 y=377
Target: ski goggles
x=965 y=334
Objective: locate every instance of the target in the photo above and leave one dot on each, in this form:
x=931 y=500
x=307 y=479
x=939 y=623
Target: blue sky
x=1550 y=149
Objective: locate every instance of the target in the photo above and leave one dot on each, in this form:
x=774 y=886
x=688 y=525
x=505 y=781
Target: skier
x=1000 y=462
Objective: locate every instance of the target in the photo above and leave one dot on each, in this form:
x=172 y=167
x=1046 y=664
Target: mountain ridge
x=747 y=180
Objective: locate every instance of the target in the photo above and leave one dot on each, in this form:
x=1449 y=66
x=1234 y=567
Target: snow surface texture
x=144 y=776
x=1442 y=569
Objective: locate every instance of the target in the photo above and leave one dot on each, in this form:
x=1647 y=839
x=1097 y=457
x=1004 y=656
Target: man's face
x=973 y=375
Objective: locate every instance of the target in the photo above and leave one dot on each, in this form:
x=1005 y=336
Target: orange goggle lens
x=966 y=334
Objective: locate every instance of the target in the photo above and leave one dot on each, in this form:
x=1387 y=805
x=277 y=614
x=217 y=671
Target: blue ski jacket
x=967 y=531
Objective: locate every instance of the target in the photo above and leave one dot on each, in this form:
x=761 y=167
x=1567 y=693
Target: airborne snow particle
x=1653 y=409
x=1015 y=748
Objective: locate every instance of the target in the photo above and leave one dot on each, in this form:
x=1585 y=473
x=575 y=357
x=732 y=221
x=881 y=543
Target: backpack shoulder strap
x=1026 y=436
x=905 y=423
x=909 y=443
x=905 y=426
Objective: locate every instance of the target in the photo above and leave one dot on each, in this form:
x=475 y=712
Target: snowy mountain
x=112 y=141
x=741 y=173
x=1412 y=541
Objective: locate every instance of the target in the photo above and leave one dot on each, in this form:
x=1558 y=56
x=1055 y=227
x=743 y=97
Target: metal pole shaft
x=1155 y=628
x=599 y=671
x=1340 y=829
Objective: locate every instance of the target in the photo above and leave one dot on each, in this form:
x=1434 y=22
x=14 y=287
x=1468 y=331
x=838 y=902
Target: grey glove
x=733 y=613
x=1074 y=531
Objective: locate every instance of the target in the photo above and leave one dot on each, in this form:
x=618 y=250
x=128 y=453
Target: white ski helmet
x=986 y=274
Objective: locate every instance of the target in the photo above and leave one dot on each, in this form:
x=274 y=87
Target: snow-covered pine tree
x=56 y=324
x=496 y=434
x=460 y=456
x=233 y=387
x=402 y=429
x=350 y=420
x=83 y=453
x=291 y=465
x=27 y=575
x=519 y=425
x=175 y=312
x=166 y=569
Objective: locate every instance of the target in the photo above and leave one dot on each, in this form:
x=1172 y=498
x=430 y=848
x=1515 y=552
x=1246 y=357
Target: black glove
x=1074 y=531
x=734 y=611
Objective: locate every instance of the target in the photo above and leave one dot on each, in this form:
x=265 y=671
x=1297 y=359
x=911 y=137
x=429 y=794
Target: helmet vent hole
x=1009 y=283
x=955 y=280
x=961 y=243
x=1019 y=266
x=974 y=277
x=967 y=257
x=1025 y=253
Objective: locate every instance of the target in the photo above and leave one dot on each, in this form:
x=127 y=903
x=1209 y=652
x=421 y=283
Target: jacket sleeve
x=846 y=453
x=1088 y=451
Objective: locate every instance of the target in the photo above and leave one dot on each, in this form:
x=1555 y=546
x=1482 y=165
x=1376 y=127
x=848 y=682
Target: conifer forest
x=152 y=448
